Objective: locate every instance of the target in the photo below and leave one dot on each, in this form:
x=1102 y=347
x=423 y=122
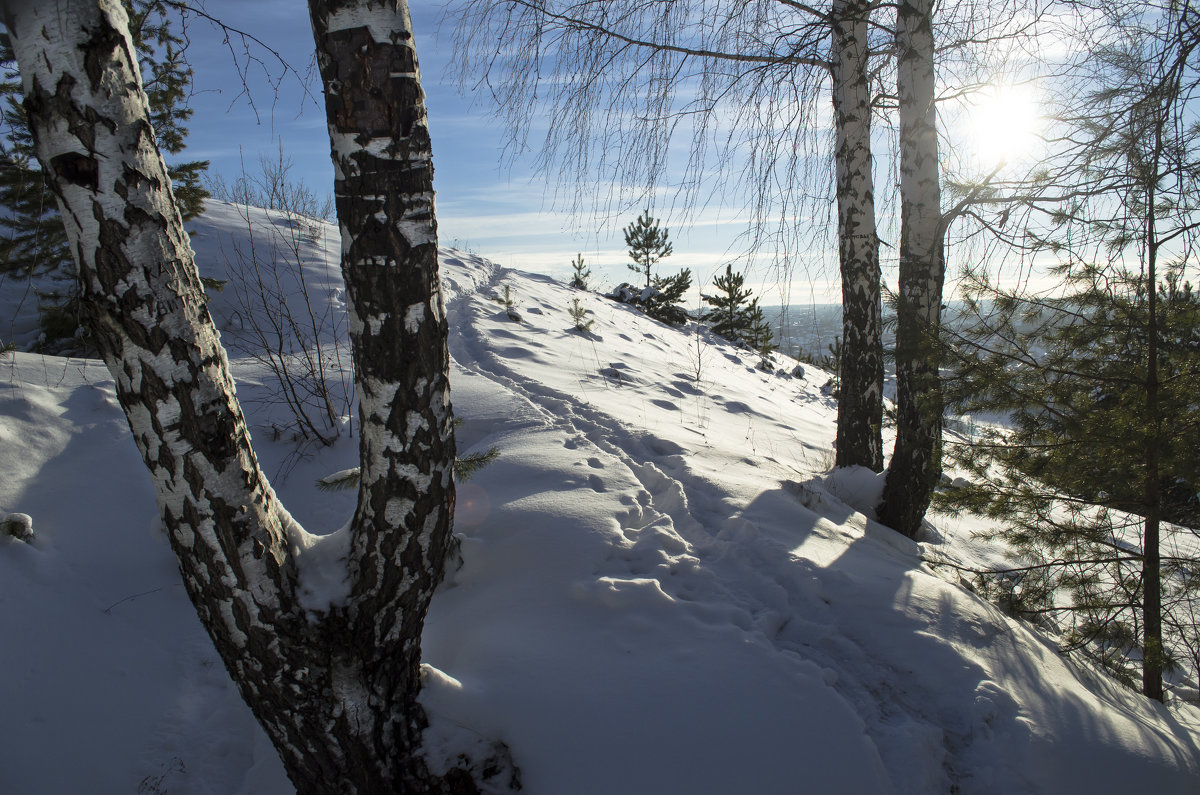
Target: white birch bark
x=141 y=294
x=915 y=466
x=860 y=390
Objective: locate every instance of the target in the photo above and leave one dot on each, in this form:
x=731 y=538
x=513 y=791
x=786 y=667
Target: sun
x=1005 y=123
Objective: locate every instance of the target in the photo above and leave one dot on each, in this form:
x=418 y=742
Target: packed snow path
x=660 y=589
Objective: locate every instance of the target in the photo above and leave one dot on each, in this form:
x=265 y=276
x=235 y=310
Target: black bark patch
x=98 y=51
x=78 y=169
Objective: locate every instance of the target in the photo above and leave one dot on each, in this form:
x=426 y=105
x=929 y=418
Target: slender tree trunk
x=860 y=391
x=915 y=466
x=1152 y=639
x=335 y=689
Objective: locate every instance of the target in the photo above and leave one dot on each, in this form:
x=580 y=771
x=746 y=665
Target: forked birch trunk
x=915 y=465
x=860 y=390
x=334 y=685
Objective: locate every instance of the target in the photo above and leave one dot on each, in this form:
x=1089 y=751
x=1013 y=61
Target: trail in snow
x=827 y=586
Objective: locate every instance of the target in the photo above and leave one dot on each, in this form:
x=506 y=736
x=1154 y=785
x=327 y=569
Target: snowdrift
x=660 y=589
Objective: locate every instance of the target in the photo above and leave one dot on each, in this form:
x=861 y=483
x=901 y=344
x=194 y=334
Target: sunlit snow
x=660 y=591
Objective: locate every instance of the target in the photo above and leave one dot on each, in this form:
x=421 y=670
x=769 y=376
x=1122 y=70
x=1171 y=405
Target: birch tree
x=915 y=466
x=334 y=679
x=860 y=371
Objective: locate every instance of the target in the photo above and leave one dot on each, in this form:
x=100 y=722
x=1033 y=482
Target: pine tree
x=1099 y=472
x=167 y=77
x=759 y=335
x=730 y=316
x=1069 y=481
x=647 y=245
x=580 y=275
x=663 y=301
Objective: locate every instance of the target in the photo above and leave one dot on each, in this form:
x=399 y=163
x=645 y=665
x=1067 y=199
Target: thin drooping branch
x=577 y=24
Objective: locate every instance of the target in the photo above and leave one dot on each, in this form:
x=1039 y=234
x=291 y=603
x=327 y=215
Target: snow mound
x=661 y=589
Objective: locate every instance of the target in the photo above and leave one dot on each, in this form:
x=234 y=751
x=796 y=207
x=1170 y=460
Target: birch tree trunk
x=860 y=390
x=334 y=685
x=915 y=465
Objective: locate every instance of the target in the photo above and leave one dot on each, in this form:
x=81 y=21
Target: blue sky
x=501 y=211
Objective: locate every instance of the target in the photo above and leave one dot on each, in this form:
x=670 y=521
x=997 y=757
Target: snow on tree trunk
x=915 y=466
x=334 y=688
x=860 y=392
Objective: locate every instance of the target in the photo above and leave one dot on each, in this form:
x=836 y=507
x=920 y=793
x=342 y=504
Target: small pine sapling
x=663 y=302
x=647 y=245
x=510 y=308
x=833 y=363
x=729 y=315
x=699 y=351
x=581 y=274
x=465 y=468
x=759 y=336
x=579 y=315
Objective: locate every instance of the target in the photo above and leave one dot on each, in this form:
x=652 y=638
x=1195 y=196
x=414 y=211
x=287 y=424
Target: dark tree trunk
x=860 y=390
x=915 y=466
x=335 y=685
x=1153 y=656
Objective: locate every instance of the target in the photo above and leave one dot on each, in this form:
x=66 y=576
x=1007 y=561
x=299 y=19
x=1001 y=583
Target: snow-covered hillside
x=660 y=590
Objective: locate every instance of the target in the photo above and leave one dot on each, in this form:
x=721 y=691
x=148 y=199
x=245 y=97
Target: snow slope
x=661 y=590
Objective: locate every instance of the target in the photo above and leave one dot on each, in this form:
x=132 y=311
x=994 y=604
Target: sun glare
x=1005 y=123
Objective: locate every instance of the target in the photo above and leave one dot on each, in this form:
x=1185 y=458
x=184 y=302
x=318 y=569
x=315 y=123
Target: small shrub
x=17 y=525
